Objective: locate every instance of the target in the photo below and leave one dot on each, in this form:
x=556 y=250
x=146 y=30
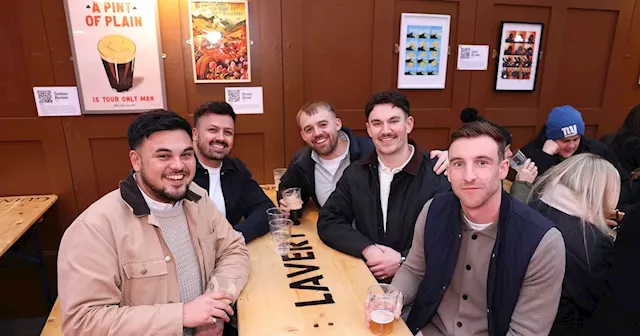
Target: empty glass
x=277 y=175
x=517 y=160
x=225 y=282
x=280 y=229
x=275 y=213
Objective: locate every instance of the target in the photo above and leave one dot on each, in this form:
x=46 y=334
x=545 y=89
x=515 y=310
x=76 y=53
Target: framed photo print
x=423 y=51
x=519 y=56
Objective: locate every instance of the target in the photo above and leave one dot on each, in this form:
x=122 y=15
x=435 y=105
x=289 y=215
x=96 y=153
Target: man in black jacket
x=373 y=209
x=562 y=137
x=330 y=149
x=226 y=178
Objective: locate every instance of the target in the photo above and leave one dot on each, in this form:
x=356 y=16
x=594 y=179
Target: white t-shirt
x=477 y=227
x=215 y=188
x=328 y=172
x=386 y=176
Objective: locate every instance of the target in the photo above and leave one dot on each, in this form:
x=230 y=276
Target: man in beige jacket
x=139 y=260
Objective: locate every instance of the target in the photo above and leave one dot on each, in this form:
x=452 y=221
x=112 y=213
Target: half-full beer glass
x=294 y=201
x=383 y=300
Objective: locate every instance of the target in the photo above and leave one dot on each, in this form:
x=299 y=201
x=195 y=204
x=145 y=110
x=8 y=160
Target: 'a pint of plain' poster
x=117 y=55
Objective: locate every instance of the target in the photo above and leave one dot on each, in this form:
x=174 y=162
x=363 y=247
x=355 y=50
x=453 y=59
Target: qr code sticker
x=45 y=97
x=465 y=53
x=234 y=96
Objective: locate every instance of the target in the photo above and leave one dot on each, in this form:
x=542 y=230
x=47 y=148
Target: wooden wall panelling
x=630 y=83
x=98 y=153
x=328 y=59
x=515 y=110
x=437 y=112
x=257 y=132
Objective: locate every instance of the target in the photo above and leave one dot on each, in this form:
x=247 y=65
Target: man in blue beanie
x=562 y=137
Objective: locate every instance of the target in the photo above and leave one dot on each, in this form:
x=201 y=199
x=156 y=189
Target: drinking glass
x=275 y=213
x=280 y=229
x=517 y=160
x=225 y=282
x=383 y=300
x=277 y=175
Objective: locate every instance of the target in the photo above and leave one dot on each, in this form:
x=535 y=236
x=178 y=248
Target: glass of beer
x=118 y=54
x=383 y=300
x=294 y=201
x=277 y=175
x=280 y=229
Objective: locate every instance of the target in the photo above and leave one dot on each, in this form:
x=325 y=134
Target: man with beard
x=330 y=149
x=373 y=209
x=140 y=259
x=481 y=263
x=227 y=179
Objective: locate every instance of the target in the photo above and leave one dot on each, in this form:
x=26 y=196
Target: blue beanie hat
x=564 y=121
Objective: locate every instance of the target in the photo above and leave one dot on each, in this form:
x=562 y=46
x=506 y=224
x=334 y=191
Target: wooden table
x=18 y=214
x=318 y=291
x=52 y=326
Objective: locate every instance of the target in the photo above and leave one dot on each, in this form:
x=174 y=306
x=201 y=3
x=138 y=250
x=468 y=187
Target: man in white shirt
x=227 y=179
x=372 y=212
x=330 y=149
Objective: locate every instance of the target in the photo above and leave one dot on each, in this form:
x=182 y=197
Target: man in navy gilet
x=481 y=263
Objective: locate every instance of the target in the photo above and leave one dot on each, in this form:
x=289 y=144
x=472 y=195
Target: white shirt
x=155 y=205
x=215 y=188
x=477 y=227
x=328 y=172
x=386 y=176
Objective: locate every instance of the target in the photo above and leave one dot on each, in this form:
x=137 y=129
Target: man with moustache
x=481 y=263
x=227 y=179
x=140 y=259
x=330 y=149
x=373 y=209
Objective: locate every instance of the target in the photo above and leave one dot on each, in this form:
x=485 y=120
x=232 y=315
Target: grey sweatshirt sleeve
x=539 y=297
x=411 y=273
x=520 y=190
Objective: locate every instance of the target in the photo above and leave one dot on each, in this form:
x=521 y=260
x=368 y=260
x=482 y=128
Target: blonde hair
x=594 y=182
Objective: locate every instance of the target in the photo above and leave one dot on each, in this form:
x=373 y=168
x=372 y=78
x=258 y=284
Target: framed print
x=220 y=45
x=519 y=56
x=423 y=51
x=116 y=55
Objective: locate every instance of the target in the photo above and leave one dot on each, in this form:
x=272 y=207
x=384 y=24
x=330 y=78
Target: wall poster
x=423 y=51
x=519 y=55
x=220 y=48
x=117 y=55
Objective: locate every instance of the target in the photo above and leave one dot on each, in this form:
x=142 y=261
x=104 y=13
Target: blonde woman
x=578 y=195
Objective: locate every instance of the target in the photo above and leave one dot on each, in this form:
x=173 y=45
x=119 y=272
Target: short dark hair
x=393 y=97
x=477 y=129
x=153 y=121
x=216 y=107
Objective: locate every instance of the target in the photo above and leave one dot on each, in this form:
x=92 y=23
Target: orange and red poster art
x=220 y=48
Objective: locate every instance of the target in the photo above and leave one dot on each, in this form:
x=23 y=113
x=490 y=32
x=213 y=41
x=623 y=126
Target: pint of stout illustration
x=118 y=55
x=383 y=301
x=294 y=201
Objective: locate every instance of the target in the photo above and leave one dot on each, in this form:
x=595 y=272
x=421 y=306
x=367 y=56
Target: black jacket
x=351 y=219
x=588 y=259
x=628 y=154
x=618 y=312
x=544 y=161
x=243 y=197
x=301 y=170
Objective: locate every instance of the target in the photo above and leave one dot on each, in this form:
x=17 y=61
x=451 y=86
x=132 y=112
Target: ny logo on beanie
x=570 y=130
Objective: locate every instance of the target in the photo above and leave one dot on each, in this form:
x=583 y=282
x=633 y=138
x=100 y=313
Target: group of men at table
x=141 y=259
